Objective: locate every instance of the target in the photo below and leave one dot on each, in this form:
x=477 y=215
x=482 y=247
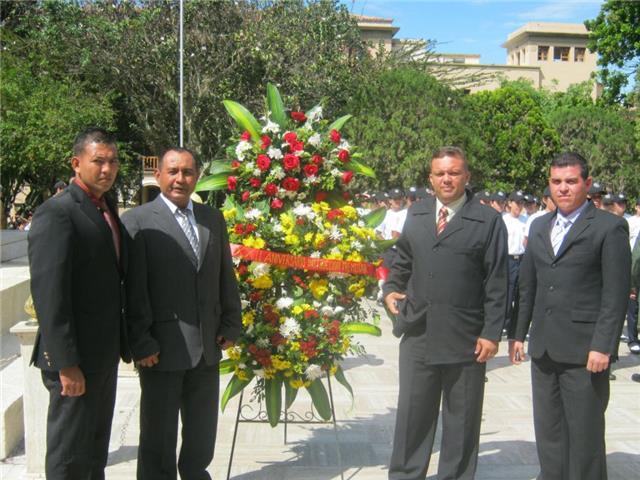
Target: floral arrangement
x=305 y=254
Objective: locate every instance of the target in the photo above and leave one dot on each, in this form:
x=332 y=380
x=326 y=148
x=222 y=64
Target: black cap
x=547 y=192
x=412 y=192
x=395 y=194
x=498 y=196
x=380 y=196
x=607 y=199
x=596 y=187
x=484 y=195
x=619 y=198
x=529 y=198
x=516 y=196
x=59 y=185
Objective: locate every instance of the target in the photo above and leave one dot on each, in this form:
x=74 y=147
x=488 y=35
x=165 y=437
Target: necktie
x=558 y=233
x=182 y=214
x=442 y=219
x=113 y=226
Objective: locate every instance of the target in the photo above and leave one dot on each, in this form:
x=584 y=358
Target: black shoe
x=612 y=376
x=636 y=377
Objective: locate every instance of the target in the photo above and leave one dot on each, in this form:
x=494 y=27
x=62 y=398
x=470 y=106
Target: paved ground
x=365 y=429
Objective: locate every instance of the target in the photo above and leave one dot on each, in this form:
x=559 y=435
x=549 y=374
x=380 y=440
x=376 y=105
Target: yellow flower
x=320 y=207
x=269 y=372
x=319 y=287
x=319 y=240
x=295 y=346
x=354 y=257
x=308 y=237
x=280 y=364
x=297 y=310
x=241 y=374
x=292 y=239
x=254 y=242
x=263 y=282
x=333 y=369
x=346 y=343
x=234 y=352
x=296 y=383
x=333 y=256
x=288 y=373
x=349 y=212
x=287 y=223
x=229 y=214
x=248 y=318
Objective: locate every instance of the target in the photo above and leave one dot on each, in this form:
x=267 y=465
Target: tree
x=518 y=139
x=615 y=36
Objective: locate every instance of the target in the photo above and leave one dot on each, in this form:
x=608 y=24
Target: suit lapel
x=581 y=224
x=203 y=233
x=456 y=222
x=169 y=224
x=88 y=208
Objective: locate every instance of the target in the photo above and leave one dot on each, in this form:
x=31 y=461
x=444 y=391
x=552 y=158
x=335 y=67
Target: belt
x=515 y=257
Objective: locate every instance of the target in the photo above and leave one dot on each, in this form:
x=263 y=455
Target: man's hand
x=150 y=361
x=516 y=352
x=72 y=381
x=597 y=362
x=634 y=294
x=485 y=349
x=223 y=343
x=391 y=299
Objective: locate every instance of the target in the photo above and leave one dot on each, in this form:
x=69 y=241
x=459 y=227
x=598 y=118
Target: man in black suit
x=574 y=284
x=448 y=288
x=183 y=308
x=77 y=259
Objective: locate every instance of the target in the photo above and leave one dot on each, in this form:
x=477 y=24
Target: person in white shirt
x=391 y=228
x=498 y=201
x=549 y=206
x=530 y=205
x=516 y=224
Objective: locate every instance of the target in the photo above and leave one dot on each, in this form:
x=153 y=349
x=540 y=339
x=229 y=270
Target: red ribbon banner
x=307 y=263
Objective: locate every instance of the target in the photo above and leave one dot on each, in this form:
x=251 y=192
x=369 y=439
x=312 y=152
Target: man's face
x=396 y=204
x=448 y=177
x=596 y=198
x=97 y=167
x=637 y=209
x=497 y=205
x=531 y=208
x=619 y=208
x=515 y=207
x=568 y=188
x=177 y=177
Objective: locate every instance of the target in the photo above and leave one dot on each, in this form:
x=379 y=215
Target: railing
x=149 y=163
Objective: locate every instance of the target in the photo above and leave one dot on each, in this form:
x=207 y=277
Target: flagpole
x=181 y=75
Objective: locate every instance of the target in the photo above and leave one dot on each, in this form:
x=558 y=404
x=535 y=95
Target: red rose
x=335 y=213
x=290 y=137
x=298 y=116
x=255 y=182
x=334 y=136
x=296 y=146
x=235 y=164
x=317 y=159
x=265 y=142
x=242 y=269
x=343 y=156
x=238 y=229
x=346 y=196
x=246 y=136
x=347 y=177
x=232 y=182
x=263 y=162
x=270 y=189
x=291 y=184
x=276 y=204
x=321 y=196
x=277 y=339
x=250 y=227
x=311 y=170
x=245 y=196
x=291 y=161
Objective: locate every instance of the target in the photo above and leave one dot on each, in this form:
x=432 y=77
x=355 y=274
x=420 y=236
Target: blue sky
x=472 y=26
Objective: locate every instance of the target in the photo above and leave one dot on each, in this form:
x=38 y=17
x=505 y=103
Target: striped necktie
x=182 y=214
x=442 y=219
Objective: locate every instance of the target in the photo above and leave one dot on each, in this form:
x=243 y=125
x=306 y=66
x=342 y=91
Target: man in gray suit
x=448 y=288
x=183 y=308
x=574 y=284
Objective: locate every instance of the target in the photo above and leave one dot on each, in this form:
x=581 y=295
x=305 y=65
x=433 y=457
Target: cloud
x=554 y=10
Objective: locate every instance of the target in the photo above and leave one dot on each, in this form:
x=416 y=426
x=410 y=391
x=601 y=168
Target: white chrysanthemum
x=326 y=310
x=315 y=254
x=290 y=327
x=236 y=261
x=315 y=114
x=260 y=269
x=263 y=343
x=335 y=233
x=335 y=172
x=259 y=373
x=252 y=214
x=271 y=127
x=241 y=148
x=244 y=303
x=344 y=145
x=284 y=303
x=356 y=245
x=315 y=140
x=313 y=372
x=311 y=180
x=303 y=210
x=274 y=153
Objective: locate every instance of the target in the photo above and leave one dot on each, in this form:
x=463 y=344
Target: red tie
x=442 y=219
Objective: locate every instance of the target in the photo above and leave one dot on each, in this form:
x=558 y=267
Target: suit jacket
x=178 y=304
x=575 y=301
x=77 y=285
x=456 y=283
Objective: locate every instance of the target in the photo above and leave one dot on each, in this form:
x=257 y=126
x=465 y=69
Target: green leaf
x=290 y=394
x=382 y=245
x=273 y=399
x=234 y=387
x=276 y=106
x=335 y=200
x=219 y=166
x=343 y=381
x=360 y=168
x=226 y=366
x=339 y=123
x=375 y=218
x=243 y=118
x=320 y=399
x=212 y=182
x=311 y=112
x=352 y=328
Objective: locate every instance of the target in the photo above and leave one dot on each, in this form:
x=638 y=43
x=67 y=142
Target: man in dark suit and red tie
x=183 y=309
x=448 y=288
x=574 y=285
x=77 y=259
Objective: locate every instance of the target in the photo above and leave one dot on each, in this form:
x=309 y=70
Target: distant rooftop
x=376 y=23
x=546 y=29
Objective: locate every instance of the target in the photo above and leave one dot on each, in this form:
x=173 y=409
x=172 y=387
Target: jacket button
x=430 y=274
x=548 y=311
x=551 y=288
x=553 y=265
x=435 y=249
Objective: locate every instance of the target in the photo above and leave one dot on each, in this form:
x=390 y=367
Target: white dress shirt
x=561 y=225
x=191 y=216
x=516 y=230
x=453 y=207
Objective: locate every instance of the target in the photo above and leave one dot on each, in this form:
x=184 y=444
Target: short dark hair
x=571 y=159
x=179 y=150
x=92 y=135
x=59 y=185
x=450 y=151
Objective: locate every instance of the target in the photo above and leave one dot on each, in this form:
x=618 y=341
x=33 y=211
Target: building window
x=543 y=53
x=561 y=54
x=578 y=55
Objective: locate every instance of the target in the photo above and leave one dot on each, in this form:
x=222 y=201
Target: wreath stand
x=246 y=414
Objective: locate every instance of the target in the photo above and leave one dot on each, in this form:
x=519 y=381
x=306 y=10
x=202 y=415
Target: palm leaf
x=212 y=182
x=226 y=366
x=339 y=123
x=353 y=328
x=290 y=394
x=344 y=382
x=273 y=399
x=219 y=166
x=360 y=168
x=244 y=118
x=276 y=106
x=320 y=399
x=234 y=387
x=375 y=218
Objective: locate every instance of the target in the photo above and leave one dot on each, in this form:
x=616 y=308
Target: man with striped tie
x=448 y=290
x=183 y=308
